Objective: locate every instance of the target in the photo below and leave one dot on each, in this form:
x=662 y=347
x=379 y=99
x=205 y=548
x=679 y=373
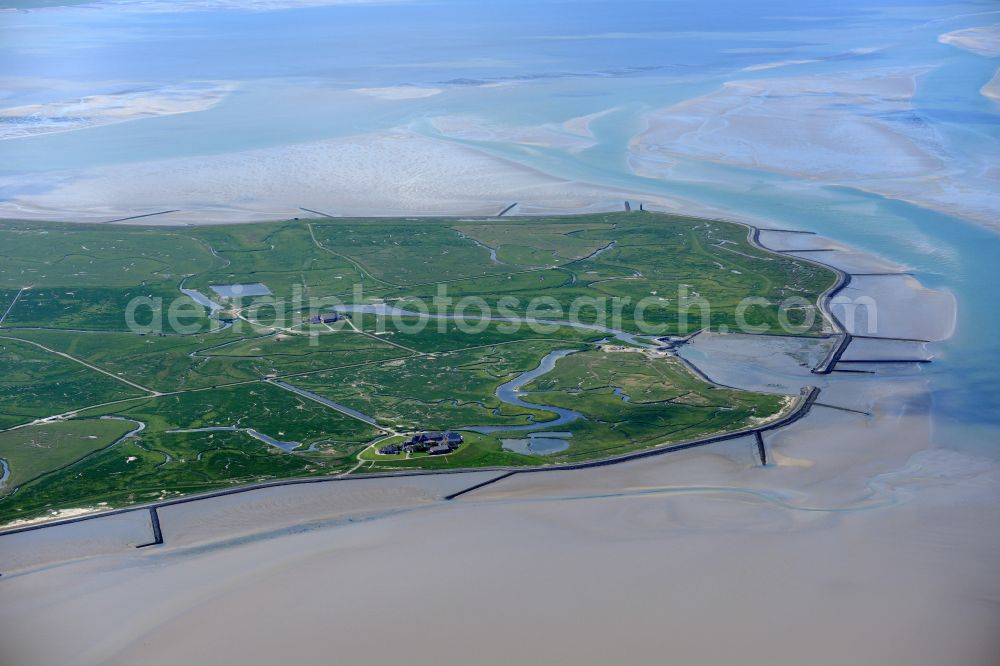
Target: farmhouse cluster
x=432 y=443
x=324 y=318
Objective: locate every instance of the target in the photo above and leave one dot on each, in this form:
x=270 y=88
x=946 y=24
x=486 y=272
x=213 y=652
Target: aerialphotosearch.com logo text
x=656 y=315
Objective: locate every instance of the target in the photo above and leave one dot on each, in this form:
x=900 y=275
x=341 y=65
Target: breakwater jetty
x=318 y=212
x=154 y=522
x=137 y=217
x=506 y=210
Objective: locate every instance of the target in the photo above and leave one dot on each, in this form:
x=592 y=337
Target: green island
x=146 y=363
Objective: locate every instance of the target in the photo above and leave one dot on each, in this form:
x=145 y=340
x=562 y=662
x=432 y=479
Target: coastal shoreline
x=798 y=409
x=845 y=490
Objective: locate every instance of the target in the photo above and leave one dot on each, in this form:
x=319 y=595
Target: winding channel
x=509 y=392
x=492 y=251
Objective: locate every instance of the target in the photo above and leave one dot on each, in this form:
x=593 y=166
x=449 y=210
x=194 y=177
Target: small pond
x=201 y=299
x=539 y=443
x=240 y=290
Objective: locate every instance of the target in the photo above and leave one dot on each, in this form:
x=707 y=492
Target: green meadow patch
x=220 y=417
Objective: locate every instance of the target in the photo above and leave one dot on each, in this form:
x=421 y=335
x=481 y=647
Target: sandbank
x=105 y=109
x=574 y=138
x=856 y=129
x=386 y=174
x=982 y=40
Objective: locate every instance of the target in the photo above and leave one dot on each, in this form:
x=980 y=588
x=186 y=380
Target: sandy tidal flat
x=982 y=40
x=797 y=124
x=396 y=93
x=390 y=173
x=96 y=110
x=276 y=508
x=856 y=128
x=622 y=566
x=99 y=536
x=992 y=87
x=900 y=308
x=572 y=135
